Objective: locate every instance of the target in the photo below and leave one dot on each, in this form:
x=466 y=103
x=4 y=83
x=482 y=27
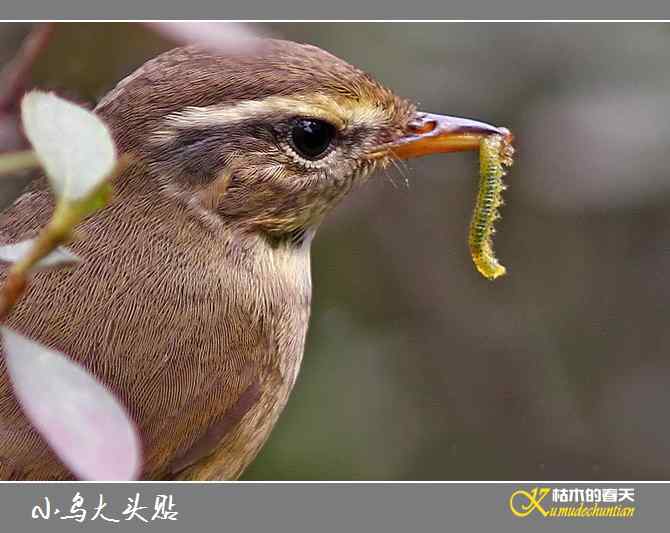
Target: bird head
x=270 y=140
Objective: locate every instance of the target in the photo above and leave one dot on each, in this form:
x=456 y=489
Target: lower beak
x=434 y=134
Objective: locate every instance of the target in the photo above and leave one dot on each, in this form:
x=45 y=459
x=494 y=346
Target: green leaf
x=69 y=213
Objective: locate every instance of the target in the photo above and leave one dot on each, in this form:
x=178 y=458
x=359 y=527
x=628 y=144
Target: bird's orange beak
x=433 y=134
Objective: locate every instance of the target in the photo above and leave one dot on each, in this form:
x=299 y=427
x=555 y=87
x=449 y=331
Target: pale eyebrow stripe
x=334 y=110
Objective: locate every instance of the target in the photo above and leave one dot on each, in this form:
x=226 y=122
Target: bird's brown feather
x=178 y=333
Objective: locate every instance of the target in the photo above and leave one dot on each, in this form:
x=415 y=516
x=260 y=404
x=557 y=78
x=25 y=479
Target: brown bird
x=193 y=298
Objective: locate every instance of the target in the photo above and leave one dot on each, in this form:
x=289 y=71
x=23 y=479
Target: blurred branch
x=17 y=161
x=13 y=81
x=14 y=77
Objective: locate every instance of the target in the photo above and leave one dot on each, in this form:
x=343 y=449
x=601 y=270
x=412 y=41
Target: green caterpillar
x=495 y=153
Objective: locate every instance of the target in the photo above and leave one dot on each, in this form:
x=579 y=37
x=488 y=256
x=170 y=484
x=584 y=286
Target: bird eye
x=311 y=138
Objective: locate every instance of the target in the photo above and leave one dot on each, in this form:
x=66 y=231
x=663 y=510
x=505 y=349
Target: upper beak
x=432 y=134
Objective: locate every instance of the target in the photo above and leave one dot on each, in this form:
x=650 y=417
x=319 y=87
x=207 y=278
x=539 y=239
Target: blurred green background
x=418 y=368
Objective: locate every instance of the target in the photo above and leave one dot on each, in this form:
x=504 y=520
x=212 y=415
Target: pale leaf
x=81 y=420
x=226 y=38
x=74 y=146
x=60 y=257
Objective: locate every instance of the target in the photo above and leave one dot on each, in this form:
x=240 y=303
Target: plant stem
x=16 y=161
